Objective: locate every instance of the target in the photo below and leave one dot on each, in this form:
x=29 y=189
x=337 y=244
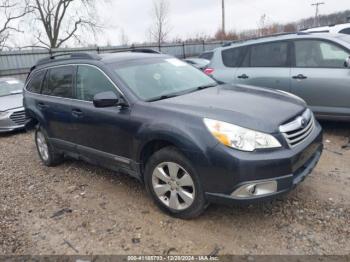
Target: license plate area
x=303 y=157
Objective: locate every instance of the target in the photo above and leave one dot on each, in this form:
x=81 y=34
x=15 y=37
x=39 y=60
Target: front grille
x=19 y=117
x=297 y=131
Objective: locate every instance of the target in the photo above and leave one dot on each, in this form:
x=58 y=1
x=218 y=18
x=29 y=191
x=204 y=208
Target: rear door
x=266 y=65
x=231 y=59
x=320 y=77
x=55 y=104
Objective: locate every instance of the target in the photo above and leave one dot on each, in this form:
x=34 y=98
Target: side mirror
x=106 y=99
x=347 y=62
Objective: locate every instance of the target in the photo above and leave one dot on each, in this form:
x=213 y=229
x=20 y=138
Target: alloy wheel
x=42 y=146
x=173 y=185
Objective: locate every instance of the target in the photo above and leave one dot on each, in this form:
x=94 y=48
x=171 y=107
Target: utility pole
x=316 y=5
x=223 y=17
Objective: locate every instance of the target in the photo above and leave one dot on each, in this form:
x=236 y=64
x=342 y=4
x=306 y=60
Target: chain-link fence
x=18 y=63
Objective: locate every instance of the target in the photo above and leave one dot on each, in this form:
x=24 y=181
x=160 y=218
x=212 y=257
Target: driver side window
x=91 y=81
x=319 y=54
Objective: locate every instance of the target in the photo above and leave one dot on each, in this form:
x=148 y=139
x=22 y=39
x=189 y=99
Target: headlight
x=3 y=114
x=240 y=138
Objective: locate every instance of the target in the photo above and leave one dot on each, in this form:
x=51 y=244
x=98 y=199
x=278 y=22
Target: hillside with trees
x=263 y=28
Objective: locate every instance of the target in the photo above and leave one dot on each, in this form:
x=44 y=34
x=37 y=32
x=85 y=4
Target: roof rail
x=145 y=50
x=324 y=26
x=315 y=31
x=65 y=56
x=262 y=37
x=137 y=50
x=228 y=43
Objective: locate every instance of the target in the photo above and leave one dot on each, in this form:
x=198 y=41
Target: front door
x=320 y=77
x=100 y=133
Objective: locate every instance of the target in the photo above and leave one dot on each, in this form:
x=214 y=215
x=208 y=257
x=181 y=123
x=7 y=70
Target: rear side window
x=345 y=31
x=207 y=55
x=91 y=81
x=35 y=83
x=269 y=55
x=60 y=82
x=319 y=54
x=231 y=57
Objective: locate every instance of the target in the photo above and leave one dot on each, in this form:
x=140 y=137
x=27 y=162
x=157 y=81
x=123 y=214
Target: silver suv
x=313 y=66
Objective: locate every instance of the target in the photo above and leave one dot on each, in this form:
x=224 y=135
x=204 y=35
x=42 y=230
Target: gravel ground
x=77 y=208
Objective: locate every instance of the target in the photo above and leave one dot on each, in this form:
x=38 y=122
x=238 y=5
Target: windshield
x=159 y=78
x=10 y=87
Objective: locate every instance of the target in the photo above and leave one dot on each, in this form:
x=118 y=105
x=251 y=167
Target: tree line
x=263 y=28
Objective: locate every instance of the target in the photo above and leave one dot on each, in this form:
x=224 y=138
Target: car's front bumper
x=13 y=119
x=232 y=170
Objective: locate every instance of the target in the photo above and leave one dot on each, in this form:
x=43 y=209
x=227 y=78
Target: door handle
x=300 y=77
x=77 y=113
x=42 y=106
x=244 y=76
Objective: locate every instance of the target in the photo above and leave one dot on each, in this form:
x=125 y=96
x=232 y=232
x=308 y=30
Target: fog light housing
x=255 y=189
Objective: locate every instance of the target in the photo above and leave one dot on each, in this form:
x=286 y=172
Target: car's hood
x=10 y=102
x=251 y=107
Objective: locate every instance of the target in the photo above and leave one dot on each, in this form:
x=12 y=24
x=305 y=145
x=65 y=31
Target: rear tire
x=47 y=153
x=174 y=184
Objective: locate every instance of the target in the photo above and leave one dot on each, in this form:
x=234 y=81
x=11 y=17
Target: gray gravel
x=77 y=208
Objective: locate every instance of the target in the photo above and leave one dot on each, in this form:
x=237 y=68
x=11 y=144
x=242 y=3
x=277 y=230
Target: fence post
x=98 y=50
x=203 y=45
x=184 y=49
x=159 y=47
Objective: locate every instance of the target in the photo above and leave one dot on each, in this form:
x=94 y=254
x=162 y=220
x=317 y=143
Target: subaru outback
x=189 y=140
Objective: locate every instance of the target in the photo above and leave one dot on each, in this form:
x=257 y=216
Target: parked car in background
x=12 y=115
x=199 y=63
x=334 y=29
x=206 y=55
x=312 y=66
x=190 y=140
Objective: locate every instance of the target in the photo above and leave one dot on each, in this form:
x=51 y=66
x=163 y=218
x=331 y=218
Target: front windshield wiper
x=181 y=93
x=161 y=97
x=205 y=86
x=201 y=88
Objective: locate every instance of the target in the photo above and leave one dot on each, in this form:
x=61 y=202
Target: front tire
x=47 y=152
x=174 y=184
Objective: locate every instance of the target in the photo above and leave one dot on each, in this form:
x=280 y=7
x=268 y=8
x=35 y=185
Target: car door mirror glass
x=106 y=99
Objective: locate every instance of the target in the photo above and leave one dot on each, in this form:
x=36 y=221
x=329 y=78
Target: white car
x=12 y=115
x=335 y=29
x=199 y=63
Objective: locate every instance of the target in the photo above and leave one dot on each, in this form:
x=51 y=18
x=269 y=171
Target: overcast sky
x=189 y=17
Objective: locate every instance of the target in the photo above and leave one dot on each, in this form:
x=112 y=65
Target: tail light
x=208 y=71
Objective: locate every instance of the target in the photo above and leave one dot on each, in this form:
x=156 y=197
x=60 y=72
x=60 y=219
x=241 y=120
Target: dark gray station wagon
x=188 y=139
